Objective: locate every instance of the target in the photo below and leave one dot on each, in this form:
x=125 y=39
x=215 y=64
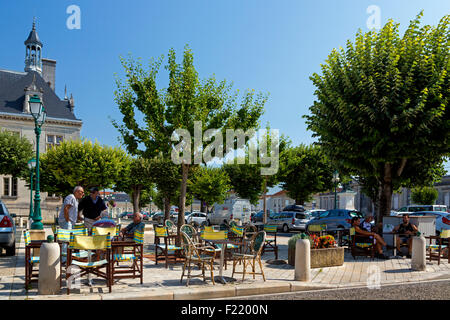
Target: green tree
x=381 y=109
x=187 y=100
x=304 y=171
x=424 y=195
x=15 y=151
x=246 y=180
x=81 y=162
x=209 y=185
x=137 y=178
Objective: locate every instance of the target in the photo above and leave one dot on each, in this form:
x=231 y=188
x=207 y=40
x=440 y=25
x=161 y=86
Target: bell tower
x=33 y=54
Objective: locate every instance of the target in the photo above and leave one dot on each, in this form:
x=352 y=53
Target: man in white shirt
x=68 y=214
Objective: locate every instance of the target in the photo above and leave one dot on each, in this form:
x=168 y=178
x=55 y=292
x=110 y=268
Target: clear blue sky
x=270 y=46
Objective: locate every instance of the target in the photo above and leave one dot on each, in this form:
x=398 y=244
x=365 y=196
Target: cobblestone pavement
x=362 y=271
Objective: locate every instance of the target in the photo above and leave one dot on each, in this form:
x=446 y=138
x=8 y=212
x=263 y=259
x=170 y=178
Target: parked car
x=315 y=212
x=124 y=214
x=289 y=220
x=294 y=207
x=442 y=219
x=415 y=208
x=336 y=218
x=198 y=218
x=232 y=209
x=158 y=217
x=7 y=230
x=258 y=217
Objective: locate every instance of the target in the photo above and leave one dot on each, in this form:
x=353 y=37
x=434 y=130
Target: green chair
x=30 y=261
x=270 y=244
x=167 y=250
x=251 y=257
x=130 y=253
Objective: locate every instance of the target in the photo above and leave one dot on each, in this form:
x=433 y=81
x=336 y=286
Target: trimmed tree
x=15 y=151
x=424 y=195
x=304 y=171
x=77 y=162
x=381 y=109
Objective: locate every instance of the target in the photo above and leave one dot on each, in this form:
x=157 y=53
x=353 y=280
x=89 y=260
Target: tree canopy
x=15 y=152
x=382 y=105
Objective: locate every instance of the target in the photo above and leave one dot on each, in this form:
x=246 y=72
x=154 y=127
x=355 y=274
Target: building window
x=53 y=140
x=10 y=186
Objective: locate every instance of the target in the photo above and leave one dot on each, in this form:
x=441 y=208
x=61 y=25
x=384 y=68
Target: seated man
x=379 y=241
x=405 y=231
x=366 y=223
x=137 y=224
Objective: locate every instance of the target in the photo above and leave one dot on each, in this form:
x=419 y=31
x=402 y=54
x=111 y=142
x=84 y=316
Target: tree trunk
x=203 y=208
x=136 y=193
x=264 y=201
x=166 y=208
x=386 y=192
x=185 y=172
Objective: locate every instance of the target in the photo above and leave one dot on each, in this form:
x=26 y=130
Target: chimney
x=48 y=72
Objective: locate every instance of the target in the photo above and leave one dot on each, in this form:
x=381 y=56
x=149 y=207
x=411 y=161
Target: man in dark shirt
x=92 y=207
x=405 y=231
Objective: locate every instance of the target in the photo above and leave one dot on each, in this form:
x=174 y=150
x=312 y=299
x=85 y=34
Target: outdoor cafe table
x=223 y=245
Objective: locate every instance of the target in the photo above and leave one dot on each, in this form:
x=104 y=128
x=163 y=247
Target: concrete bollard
x=302 y=260
x=49 y=268
x=418 y=257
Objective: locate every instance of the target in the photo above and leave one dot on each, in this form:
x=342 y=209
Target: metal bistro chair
x=191 y=231
x=171 y=227
x=200 y=256
x=132 y=253
x=30 y=261
x=167 y=250
x=251 y=257
x=270 y=245
x=89 y=243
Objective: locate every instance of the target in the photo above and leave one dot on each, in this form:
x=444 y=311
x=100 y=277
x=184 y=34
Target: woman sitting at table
x=378 y=241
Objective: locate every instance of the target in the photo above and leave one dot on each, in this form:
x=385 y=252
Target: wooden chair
x=30 y=260
x=435 y=251
x=89 y=243
x=62 y=236
x=167 y=250
x=130 y=253
x=270 y=244
x=251 y=257
x=362 y=245
x=200 y=256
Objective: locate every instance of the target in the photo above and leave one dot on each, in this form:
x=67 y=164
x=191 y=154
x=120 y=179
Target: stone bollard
x=302 y=260
x=21 y=222
x=49 y=268
x=418 y=257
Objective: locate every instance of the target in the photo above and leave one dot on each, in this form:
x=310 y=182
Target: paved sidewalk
x=162 y=283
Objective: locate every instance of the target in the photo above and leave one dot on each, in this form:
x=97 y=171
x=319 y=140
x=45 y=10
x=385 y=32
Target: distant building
x=61 y=123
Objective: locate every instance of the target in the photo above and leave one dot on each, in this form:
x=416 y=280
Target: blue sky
x=270 y=46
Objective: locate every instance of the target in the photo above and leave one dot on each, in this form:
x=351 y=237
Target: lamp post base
x=37 y=225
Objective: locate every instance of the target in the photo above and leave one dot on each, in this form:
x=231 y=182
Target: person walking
x=92 y=206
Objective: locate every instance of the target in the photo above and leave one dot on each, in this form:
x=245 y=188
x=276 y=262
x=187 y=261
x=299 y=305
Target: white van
x=232 y=209
x=420 y=207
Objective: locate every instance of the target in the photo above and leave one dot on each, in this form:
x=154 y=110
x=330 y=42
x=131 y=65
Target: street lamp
x=39 y=114
x=31 y=166
x=335 y=182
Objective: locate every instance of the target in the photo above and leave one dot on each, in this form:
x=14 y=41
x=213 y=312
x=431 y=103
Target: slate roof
x=33 y=37
x=12 y=95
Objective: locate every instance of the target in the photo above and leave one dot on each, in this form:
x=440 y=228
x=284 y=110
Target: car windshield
x=323 y=214
x=355 y=214
x=301 y=216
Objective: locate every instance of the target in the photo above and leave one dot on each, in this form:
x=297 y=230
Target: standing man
x=68 y=215
x=92 y=207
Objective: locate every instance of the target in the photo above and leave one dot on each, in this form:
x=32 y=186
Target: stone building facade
x=61 y=123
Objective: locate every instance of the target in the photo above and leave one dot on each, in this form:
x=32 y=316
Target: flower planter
x=321 y=258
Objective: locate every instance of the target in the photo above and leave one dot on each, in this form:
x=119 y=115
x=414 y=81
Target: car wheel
x=285 y=228
x=11 y=251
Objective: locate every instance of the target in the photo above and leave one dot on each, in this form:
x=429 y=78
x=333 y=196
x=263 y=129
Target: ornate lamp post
x=39 y=114
x=335 y=182
x=31 y=166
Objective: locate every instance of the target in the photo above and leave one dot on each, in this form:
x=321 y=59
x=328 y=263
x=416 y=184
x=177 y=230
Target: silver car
x=289 y=220
x=7 y=230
